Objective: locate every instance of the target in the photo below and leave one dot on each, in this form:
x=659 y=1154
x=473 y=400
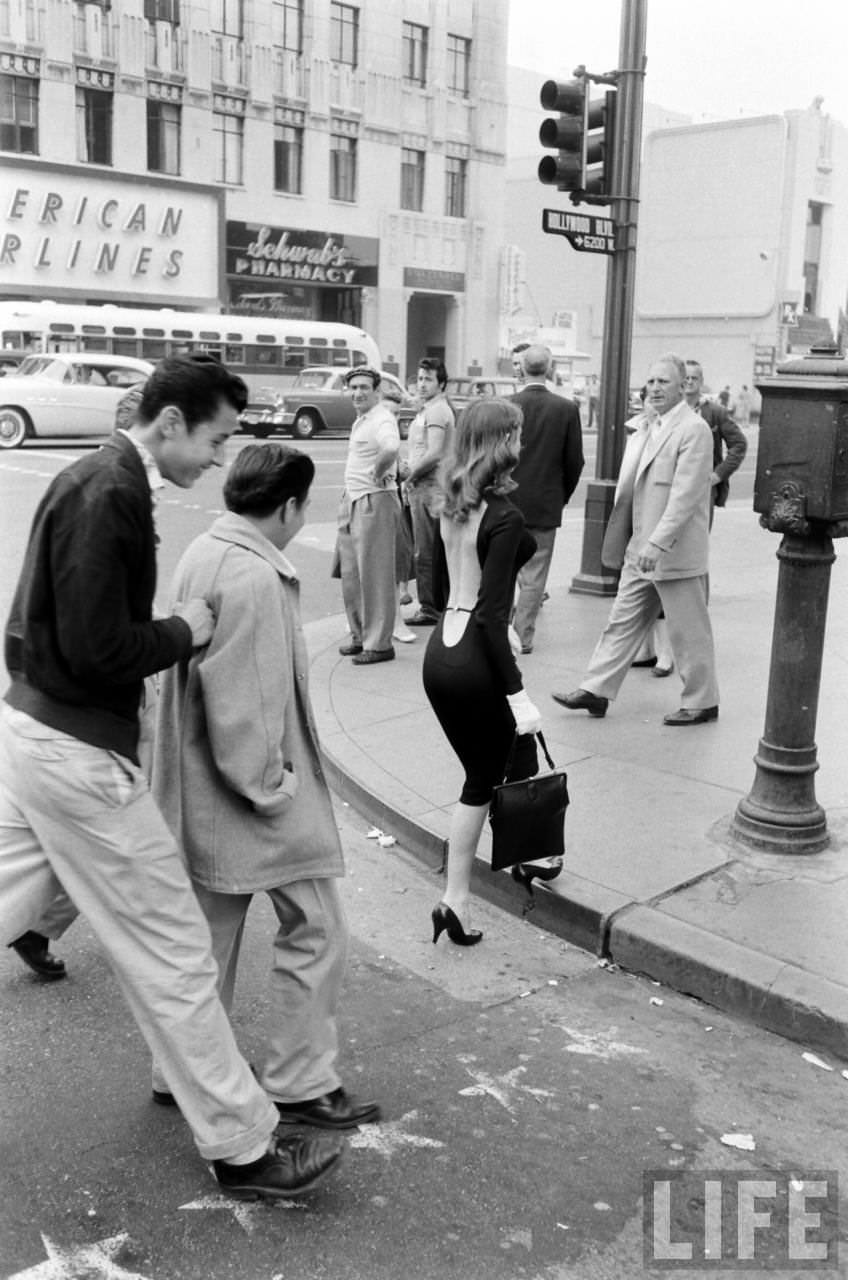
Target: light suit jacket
x=236 y=771
x=663 y=496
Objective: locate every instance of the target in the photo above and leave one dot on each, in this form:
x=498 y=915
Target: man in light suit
x=658 y=535
x=547 y=473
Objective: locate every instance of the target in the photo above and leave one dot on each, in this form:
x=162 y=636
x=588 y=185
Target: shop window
x=459 y=65
x=412 y=179
x=229 y=136
x=163 y=136
x=415 y=53
x=456 y=182
x=19 y=114
x=162 y=11
x=94 y=126
x=342 y=168
x=344 y=34
x=288 y=158
x=227 y=17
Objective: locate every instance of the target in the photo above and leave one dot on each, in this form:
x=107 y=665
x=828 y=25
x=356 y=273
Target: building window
x=227 y=17
x=288 y=158
x=287 y=25
x=456 y=181
x=19 y=114
x=229 y=133
x=412 y=179
x=414 y=53
x=162 y=11
x=459 y=65
x=163 y=136
x=342 y=168
x=344 y=34
x=94 y=126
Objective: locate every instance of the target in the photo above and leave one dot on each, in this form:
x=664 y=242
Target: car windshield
x=312 y=378
x=48 y=366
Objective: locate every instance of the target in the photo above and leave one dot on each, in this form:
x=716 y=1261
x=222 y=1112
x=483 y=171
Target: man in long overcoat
x=237 y=773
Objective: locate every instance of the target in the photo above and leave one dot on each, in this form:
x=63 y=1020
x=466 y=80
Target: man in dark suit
x=547 y=473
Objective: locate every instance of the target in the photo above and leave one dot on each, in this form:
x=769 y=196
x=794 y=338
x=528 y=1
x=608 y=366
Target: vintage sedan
x=461 y=391
x=317 y=401
x=73 y=393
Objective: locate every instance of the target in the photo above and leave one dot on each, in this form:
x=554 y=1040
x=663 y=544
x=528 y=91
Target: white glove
x=527 y=717
x=514 y=642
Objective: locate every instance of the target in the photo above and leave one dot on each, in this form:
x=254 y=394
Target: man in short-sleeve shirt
x=430 y=434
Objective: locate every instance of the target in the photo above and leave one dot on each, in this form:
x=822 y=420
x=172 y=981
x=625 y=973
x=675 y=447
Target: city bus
x=267 y=351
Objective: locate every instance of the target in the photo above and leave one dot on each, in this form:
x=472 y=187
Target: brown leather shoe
x=368 y=656
x=290 y=1167
x=336 y=1110
x=34 y=950
x=688 y=716
x=583 y=700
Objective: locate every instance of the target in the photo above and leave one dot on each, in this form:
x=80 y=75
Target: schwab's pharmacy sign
x=324 y=258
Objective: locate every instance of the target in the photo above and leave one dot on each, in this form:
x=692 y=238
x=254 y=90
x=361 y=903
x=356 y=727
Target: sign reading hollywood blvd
x=583 y=231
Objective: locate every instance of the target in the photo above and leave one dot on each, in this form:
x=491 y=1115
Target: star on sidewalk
x=501 y=1088
x=244 y=1214
x=94 y=1261
x=388 y=1138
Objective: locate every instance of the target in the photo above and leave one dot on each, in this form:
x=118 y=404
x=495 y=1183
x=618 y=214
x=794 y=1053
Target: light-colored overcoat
x=663 y=496
x=237 y=771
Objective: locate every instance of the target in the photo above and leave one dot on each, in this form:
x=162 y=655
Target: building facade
x=301 y=158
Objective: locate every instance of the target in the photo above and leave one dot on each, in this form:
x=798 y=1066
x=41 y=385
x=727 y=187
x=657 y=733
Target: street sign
x=583 y=231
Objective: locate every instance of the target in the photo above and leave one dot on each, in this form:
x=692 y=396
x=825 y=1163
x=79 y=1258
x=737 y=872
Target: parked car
x=461 y=391
x=67 y=394
x=316 y=401
x=10 y=361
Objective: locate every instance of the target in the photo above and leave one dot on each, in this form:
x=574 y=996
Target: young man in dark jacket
x=75 y=809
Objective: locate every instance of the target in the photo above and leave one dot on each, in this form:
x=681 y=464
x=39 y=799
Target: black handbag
x=528 y=817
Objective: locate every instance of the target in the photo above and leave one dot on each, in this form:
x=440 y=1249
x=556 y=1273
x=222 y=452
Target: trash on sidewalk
x=382 y=839
x=655 y=1000
x=741 y=1141
x=815 y=1061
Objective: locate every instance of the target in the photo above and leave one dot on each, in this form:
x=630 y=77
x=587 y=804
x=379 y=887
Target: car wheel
x=14 y=428
x=305 y=425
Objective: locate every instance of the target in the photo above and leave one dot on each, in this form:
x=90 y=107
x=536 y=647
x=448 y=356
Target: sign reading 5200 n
x=583 y=231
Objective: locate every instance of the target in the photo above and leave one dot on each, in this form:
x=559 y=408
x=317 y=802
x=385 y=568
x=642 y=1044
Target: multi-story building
x=307 y=158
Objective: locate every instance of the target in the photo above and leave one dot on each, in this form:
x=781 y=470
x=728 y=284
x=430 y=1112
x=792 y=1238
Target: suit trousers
x=310 y=950
x=634 y=611
x=532 y=579
x=81 y=817
x=423 y=536
x=367 y=556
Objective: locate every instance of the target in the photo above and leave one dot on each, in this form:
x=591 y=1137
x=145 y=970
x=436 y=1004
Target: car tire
x=305 y=425
x=15 y=427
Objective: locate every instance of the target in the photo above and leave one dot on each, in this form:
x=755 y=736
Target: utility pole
x=594 y=578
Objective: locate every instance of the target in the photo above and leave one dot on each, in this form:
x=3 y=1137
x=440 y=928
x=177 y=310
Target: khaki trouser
x=79 y=816
x=367 y=544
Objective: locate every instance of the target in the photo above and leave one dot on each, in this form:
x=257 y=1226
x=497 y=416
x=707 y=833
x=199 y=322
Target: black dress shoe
x=645 y=662
x=33 y=948
x=334 y=1110
x=367 y=656
x=348 y=650
x=422 y=619
x=163 y=1098
x=290 y=1166
x=687 y=716
x=583 y=700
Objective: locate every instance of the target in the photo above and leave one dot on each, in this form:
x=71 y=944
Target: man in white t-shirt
x=430 y=433
x=368 y=522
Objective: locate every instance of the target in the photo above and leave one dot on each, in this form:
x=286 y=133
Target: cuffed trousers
x=81 y=817
x=634 y=611
x=367 y=541
x=423 y=537
x=310 y=951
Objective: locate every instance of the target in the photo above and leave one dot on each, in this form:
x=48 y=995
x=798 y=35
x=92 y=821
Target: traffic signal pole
x=594 y=578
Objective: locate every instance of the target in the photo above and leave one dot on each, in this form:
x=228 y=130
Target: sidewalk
x=652 y=879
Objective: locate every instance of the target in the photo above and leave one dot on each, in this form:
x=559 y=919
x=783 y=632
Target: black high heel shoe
x=443 y=918
x=524 y=873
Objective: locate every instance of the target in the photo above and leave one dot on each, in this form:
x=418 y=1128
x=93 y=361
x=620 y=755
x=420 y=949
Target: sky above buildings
x=712 y=59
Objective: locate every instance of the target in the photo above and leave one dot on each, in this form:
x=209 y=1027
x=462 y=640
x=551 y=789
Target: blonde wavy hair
x=485 y=451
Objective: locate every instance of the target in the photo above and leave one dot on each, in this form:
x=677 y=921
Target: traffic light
x=567 y=134
x=583 y=137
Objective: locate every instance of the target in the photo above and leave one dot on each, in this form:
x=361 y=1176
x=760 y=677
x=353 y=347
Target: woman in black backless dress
x=470 y=674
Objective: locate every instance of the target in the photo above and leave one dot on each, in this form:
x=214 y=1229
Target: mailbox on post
x=801 y=491
x=802 y=456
